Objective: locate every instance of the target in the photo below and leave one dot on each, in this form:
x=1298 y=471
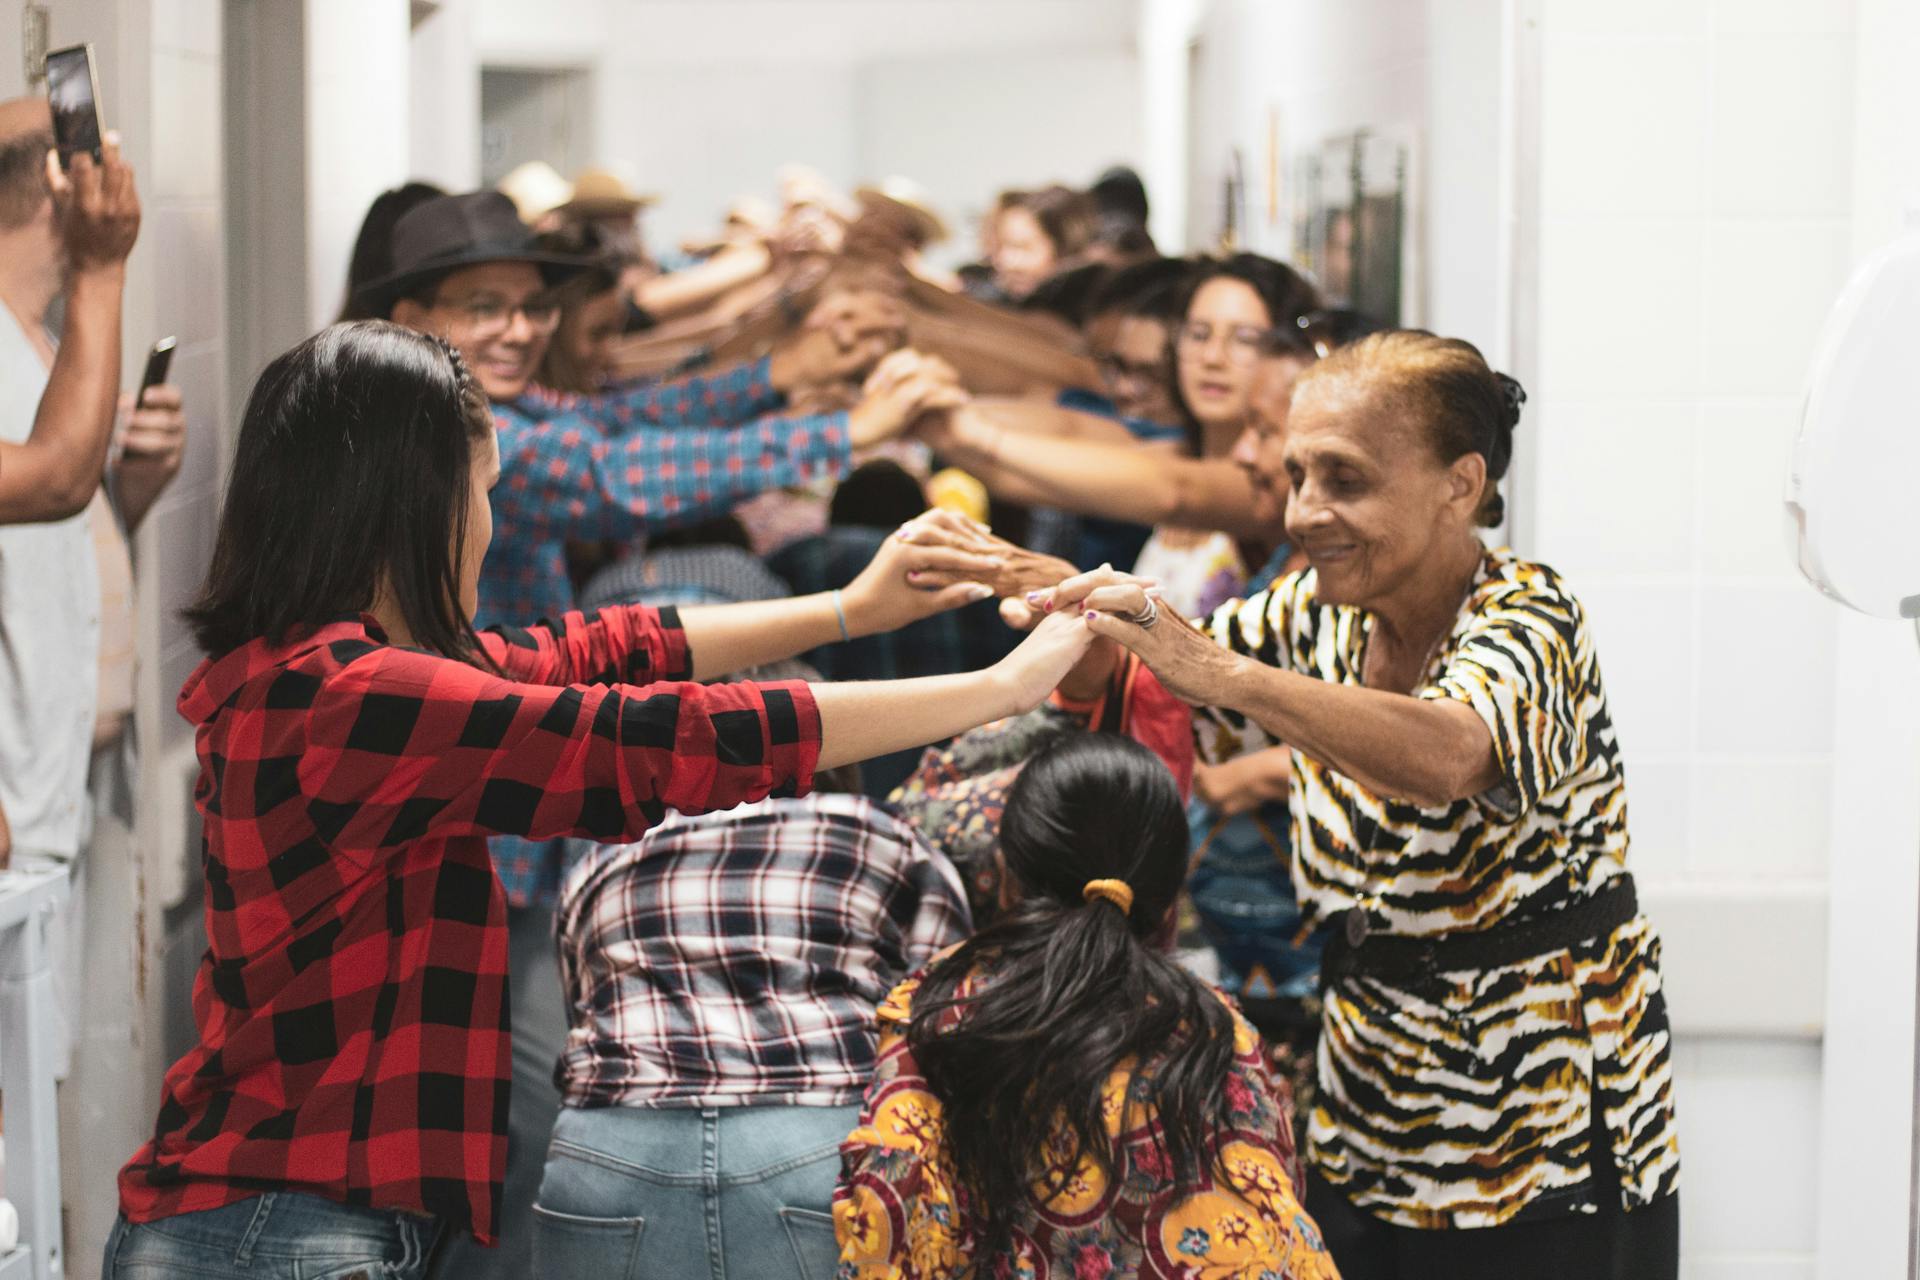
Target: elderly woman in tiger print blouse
x=1495 y=1076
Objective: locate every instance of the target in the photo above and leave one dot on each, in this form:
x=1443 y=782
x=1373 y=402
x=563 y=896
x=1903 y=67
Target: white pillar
x=1167 y=29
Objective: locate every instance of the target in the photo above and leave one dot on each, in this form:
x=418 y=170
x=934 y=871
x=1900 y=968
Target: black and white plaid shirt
x=737 y=958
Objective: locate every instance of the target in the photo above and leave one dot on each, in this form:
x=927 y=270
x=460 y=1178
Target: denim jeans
x=727 y=1193
x=281 y=1235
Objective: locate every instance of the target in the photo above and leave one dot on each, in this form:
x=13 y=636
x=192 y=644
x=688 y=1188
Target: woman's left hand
x=937 y=561
x=1126 y=609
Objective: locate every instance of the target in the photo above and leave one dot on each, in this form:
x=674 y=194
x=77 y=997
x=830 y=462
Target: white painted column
x=358 y=111
x=445 y=96
x=1167 y=27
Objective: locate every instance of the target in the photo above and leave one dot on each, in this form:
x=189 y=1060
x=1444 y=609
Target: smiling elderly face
x=1369 y=498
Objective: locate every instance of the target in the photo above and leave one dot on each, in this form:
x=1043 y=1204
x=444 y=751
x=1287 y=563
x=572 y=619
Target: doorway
x=528 y=113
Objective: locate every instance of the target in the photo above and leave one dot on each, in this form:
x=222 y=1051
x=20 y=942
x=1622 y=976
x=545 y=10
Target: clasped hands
x=1120 y=608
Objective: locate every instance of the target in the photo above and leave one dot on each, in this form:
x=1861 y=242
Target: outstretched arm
x=905 y=582
x=1430 y=752
x=1120 y=481
x=680 y=292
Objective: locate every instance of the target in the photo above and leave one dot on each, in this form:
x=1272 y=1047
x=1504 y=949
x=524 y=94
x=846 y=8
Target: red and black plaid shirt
x=352 y=1004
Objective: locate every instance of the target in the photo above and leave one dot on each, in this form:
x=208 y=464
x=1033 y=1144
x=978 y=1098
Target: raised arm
x=842 y=339
x=54 y=473
x=1033 y=416
x=565 y=477
x=997 y=351
x=1120 y=481
x=691 y=288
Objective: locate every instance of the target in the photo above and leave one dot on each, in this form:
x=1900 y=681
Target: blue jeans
x=281 y=1235
x=726 y=1193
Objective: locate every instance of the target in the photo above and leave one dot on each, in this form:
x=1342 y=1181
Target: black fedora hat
x=450 y=232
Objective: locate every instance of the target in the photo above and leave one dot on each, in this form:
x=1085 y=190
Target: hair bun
x=1516 y=396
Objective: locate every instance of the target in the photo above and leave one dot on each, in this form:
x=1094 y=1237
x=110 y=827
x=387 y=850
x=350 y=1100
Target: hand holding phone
x=159 y=360
x=96 y=207
x=73 y=92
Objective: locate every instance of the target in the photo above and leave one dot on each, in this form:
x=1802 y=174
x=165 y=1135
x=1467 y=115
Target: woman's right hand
x=1034 y=670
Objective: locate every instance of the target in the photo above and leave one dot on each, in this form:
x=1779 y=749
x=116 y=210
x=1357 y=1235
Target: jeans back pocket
x=816 y=1253
x=567 y=1246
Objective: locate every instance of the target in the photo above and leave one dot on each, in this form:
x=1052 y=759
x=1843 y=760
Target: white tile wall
x=1695 y=189
x=1625 y=18
x=1765 y=670
x=1822 y=17
x=1760 y=817
x=1643 y=632
x=1646 y=153
x=1660 y=800
x=1780 y=104
x=1620 y=305
x=1768 y=285
x=1744 y=533
x=1748 y=1111
x=1599 y=458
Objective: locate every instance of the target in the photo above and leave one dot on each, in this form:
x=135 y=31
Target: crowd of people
x=791 y=761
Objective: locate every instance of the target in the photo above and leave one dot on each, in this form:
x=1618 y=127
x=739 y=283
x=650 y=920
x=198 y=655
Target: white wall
x=444 y=96
x=1865 y=1225
x=358 y=133
x=1694 y=193
x=703 y=101
x=1029 y=119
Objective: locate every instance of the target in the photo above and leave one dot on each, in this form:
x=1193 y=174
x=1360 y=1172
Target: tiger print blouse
x=1471 y=1099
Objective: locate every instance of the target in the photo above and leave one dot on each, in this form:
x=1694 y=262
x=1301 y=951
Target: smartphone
x=73 y=91
x=159 y=360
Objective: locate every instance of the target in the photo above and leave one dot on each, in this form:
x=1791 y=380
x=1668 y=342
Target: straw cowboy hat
x=536 y=190
x=602 y=193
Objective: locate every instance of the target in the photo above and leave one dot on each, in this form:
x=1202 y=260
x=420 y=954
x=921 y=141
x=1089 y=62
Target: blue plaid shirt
x=649 y=456
x=616 y=465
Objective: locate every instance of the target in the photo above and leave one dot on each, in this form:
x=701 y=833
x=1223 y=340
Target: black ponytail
x=1067 y=987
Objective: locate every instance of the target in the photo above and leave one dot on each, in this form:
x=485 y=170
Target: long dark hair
x=373 y=247
x=1067 y=990
x=351 y=470
x=1285 y=293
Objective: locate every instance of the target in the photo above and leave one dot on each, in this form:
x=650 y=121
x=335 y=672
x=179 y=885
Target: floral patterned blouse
x=900 y=1213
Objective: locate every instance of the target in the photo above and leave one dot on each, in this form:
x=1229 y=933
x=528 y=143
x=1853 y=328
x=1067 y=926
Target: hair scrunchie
x=1515 y=395
x=1115 y=891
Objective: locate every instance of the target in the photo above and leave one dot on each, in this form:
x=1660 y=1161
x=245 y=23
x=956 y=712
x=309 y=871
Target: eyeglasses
x=489 y=315
x=1116 y=369
x=1242 y=341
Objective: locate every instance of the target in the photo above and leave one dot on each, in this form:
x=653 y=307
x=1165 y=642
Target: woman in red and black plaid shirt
x=358 y=741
